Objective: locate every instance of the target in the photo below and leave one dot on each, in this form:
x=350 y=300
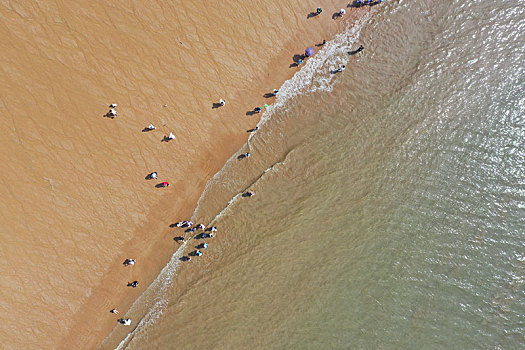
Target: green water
x=389 y=211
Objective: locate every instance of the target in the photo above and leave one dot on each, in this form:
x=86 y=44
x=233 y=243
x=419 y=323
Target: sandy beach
x=75 y=201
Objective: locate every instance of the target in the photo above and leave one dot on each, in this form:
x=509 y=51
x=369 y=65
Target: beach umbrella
x=309 y=51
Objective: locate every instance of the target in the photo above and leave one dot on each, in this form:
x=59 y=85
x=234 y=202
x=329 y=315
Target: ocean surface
x=389 y=204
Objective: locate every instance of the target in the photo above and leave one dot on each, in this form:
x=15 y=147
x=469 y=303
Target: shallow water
x=389 y=202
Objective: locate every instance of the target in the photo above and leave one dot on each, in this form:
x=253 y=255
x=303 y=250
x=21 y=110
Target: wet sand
x=75 y=203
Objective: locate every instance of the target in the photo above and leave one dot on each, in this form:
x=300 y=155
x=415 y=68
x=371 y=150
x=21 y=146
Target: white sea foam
x=316 y=75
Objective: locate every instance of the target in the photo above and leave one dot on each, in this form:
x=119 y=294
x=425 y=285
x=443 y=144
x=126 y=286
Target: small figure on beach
x=359 y=3
x=324 y=42
x=213 y=229
x=275 y=91
x=342 y=12
x=299 y=61
x=171 y=136
x=114 y=311
x=203 y=246
x=197 y=253
x=129 y=262
x=153 y=175
x=254 y=129
x=249 y=194
x=125 y=322
x=113 y=105
x=112 y=113
x=185 y=223
x=244 y=155
x=201 y=226
x=222 y=102
x=257 y=109
x=133 y=284
x=318 y=11
x=179 y=239
x=359 y=49
x=151 y=127
x=164 y=184
x=340 y=69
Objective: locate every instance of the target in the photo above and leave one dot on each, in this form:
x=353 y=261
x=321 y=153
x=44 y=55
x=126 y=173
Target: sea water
x=389 y=199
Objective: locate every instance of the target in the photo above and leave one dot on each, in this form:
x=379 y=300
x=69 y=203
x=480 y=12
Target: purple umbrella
x=309 y=51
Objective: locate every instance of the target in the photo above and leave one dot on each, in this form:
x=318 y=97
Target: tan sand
x=75 y=203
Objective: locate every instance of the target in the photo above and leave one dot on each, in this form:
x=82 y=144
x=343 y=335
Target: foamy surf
x=315 y=76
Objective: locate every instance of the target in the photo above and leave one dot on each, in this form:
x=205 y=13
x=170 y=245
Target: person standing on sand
x=164 y=184
x=318 y=11
x=222 y=102
x=133 y=284
x=114 y=311
x=340 y=69
x=342 y=12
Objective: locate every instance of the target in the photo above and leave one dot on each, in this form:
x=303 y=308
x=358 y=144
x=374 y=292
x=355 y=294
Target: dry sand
x=75 y=203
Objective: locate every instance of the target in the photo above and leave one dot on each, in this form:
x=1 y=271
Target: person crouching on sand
x=129 y=262
x=125 y=322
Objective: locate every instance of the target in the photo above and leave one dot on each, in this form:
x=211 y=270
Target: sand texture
x=74 y=199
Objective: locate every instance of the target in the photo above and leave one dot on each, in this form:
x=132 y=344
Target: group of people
x=189 y=225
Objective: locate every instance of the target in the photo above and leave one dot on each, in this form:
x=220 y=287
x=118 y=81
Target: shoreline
x=151 y=269
x=116 y=336
x=94 y=197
